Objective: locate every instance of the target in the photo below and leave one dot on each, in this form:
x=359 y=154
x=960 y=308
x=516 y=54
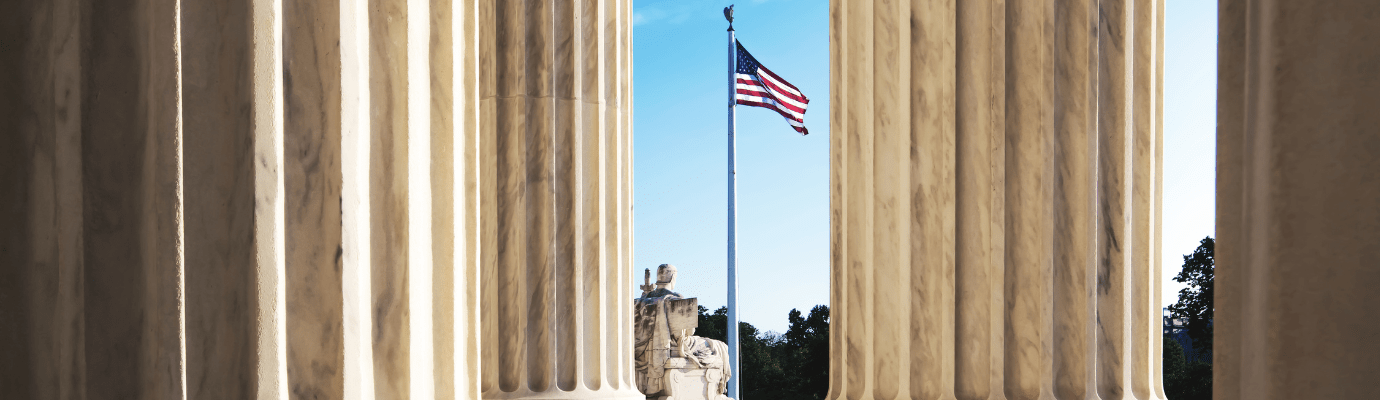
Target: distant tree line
x=793 y=366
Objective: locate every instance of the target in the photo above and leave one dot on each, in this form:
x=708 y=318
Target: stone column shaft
x=234 y=218
x=1157 y=354
x=257 y=199
x=133 y=213
x=42 y=248
x=1297 y=188
x=1075 y=200
x=1147 y=326
x=454 y=203
x=979 y=211
x=906 y=156
x=325 y=146
x=1228 y=282
x=1114 y=192
x=557 y=84
x=983 y=235
x=1029 y=199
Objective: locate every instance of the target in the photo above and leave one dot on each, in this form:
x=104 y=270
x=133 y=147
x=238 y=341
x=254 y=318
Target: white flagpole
x=733 y=356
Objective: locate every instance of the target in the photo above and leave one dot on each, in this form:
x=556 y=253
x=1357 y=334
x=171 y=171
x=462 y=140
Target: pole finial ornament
x=728 y=15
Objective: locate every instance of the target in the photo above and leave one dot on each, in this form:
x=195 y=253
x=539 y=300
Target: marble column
x=970 y=211
x=1075 y=199
x=1115 y=52
x=980 y=165
x=1147 y=326
x=1227 y=252
x=241 y=199
x=555 y=102
x=42 y=296
x=94 y=266
x=455 y=235
x=234 y=202
x=326 y=112
x=1297 y=187
x=1029 y=199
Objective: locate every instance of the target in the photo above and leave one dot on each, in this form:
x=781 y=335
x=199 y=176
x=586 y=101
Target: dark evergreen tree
x=1185 y=380
x=1188 y=376
x=1195 y=301
x=808 y=339
x=713 y=326
x=794 y=365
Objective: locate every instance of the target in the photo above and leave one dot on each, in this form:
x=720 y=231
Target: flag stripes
x=757 y=86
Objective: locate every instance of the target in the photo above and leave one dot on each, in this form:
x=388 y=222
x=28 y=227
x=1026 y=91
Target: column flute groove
x=1146 y=325
x=1012 y=262
x=1114 y=307
x=1075 y=201
x=562 y=207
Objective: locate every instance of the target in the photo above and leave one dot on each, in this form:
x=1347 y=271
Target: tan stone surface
x=1158 y=263
x=258 y=199
x=1228 y=251
x=389 y=190
x=454 y=222
x=1075 y=200
x=1115 y=111
x=233 y=231
x=1146 y=323
x=556 y=85
x=42 y=300
x=133 y=202
x=979 y=213
x=1297 y=192
x=1029 y=199
x=999 y=239
x=324 y=262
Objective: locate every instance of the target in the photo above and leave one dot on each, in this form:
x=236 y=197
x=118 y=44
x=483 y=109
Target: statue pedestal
x=687 y=381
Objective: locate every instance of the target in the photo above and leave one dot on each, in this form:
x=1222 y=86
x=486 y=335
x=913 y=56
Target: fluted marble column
x=1115 y=52
x=1297 y=192
x=980 y=165
x=326 y=158
x=234 y=201
x=42 y=296
x=94 y=263
x=454 y=221
x=1147 y=326
x=1075 y=199
x=240 y=199
x=969 y=148
x=556 y=198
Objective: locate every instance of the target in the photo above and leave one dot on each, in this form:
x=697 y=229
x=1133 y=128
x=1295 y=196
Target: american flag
x=758 y=86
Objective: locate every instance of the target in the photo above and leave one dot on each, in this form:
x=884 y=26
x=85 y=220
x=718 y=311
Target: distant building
x=1173 y=325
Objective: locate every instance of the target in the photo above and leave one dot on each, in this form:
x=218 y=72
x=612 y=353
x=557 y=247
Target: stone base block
x=691 y=383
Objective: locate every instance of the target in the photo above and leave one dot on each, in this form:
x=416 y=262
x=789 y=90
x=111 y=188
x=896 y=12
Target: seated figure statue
x=672 y=363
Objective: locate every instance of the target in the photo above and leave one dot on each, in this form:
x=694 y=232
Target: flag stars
x=757 y=86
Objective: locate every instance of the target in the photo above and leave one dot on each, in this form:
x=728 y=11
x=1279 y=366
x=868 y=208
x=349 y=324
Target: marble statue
x=672 y=363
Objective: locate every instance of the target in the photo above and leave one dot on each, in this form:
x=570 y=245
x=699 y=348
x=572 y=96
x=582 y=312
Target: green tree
x=808 y=342
x=1190 y=378
x=1184 y=380
x=1195 y=301
x=794 y=365
x=1174 y=365
x=713 y=326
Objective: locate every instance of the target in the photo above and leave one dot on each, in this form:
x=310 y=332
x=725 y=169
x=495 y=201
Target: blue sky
x=680 y=149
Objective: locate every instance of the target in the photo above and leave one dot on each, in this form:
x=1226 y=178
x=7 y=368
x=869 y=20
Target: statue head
x=666 y=277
